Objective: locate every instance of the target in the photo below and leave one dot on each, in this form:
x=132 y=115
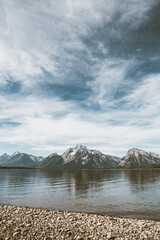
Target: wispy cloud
x=79 y=72
x=53 y=128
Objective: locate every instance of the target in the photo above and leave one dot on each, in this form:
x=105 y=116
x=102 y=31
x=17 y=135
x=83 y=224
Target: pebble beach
x=25 y=223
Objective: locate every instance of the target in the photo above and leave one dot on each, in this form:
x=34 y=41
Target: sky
x=79 y=71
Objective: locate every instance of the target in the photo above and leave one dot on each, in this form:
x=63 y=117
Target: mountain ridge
x=139 y=158
x=18 y=159
x=80 y=157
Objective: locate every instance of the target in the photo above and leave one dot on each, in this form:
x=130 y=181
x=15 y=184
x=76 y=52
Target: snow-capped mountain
x=80 y=157
x=18 y=159
x=4 y=158
x=15 y=153
x=136 y=158
x=36 y=159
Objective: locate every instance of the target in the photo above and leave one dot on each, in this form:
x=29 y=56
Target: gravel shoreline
x=25 y=223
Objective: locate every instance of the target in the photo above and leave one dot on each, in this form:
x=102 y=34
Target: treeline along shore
x=17 y=223
x=18 y=168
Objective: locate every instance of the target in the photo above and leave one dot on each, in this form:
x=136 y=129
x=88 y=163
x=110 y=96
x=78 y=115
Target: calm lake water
x=131 y=193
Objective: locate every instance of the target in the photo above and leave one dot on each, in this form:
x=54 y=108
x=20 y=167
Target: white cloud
x=109 y=78
x=147 y=93
x=19 y=65
x=38 y=35
x=45 y=127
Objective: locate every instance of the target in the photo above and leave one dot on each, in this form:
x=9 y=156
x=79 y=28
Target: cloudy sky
x=79 y=71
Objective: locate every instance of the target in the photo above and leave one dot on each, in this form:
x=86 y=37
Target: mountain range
x=80 y=157
x=18 y=159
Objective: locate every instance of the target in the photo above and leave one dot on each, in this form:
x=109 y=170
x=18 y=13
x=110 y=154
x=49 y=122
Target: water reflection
x=82 y=180
x=140 y=180
x=123 y=192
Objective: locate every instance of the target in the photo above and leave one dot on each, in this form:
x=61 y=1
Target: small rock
x=17 y=229
x=15 y=234
x=90 y=237
x=113 y=238
x=79 y=238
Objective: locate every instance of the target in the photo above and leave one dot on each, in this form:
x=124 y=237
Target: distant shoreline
x=17 y=167
x=76 y=169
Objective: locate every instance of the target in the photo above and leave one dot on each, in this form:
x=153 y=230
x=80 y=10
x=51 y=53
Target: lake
x=127 y=193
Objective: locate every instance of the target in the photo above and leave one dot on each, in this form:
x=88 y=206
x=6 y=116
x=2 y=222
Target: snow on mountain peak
x=139 y=158
x=80 y=147
x=135 y=151
x=70 y=154
x=17 y=152
x=81 y=155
